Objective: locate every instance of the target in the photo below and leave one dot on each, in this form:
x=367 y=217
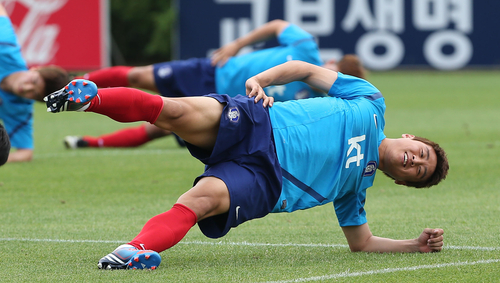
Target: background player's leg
x=143 y=77
x=109 y=77
x=127 y=137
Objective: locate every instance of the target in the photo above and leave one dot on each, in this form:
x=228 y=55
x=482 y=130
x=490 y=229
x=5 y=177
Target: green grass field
x=66 y=209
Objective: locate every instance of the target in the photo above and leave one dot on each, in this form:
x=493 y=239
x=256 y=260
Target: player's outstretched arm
x=361 y=239
x=263 y=33
x=315 y=76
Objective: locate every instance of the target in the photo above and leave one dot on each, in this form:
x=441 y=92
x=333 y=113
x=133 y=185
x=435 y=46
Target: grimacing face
x=29 y=84
x=409 y=160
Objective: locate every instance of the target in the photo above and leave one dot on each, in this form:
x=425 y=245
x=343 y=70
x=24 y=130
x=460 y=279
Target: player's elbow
x=356 y=248
x=361 y=245
x=278 y=26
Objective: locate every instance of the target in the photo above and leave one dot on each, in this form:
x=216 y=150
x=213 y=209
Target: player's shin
x=165 y=230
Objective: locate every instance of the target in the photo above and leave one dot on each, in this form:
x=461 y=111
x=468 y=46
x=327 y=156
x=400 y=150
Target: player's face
x=409 y=160
x=29 y=85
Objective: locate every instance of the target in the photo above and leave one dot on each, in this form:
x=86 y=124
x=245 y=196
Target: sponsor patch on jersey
x=233 y=114
x=370 y=169
x=302 y=94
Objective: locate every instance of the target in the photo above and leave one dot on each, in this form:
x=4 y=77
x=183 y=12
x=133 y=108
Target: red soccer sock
x=127 y=105
x=165 y=230
x=128 y=137
x=109 y=77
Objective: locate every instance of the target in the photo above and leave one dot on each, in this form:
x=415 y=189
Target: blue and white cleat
x=73 y=97
x=129 y=257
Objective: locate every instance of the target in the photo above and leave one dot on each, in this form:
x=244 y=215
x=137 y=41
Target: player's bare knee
x=134 y=76
x=201 y=205
x=139 y=76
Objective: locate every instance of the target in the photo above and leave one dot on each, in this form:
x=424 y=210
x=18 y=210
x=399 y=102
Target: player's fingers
x=435 y=247
x=435 y=232
x=253 y=91
x=216 y=57
x=264 y=100
x=259 y=95
x=214 y=60
x=223 y=61
x=435 y=240
x=268 y=101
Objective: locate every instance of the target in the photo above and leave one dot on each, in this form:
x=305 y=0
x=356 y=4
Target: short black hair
x=4 y=145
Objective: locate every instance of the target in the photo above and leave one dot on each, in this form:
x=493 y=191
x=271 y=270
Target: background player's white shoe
x=74 y=142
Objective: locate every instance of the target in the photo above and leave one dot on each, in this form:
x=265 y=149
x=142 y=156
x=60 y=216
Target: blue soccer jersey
x=15 y=112
x=295 y=44
x=330 y=154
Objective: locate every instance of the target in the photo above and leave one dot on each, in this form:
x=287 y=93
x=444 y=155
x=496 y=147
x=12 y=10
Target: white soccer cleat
x=74 y=142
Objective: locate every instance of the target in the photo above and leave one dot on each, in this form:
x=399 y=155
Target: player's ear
x=407 y=136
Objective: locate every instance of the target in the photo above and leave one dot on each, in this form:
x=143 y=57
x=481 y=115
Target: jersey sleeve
x=293 y=34
x=16 y=112
x=7 y=35
x=11 y=59
x=20 y=129
x=350 y=209
x=349 y=87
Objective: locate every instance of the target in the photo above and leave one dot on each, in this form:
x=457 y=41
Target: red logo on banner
x=72 y=34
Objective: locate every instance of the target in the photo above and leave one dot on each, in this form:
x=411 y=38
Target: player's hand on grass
x=254 y=89
x=431 y=240
x=221 y=55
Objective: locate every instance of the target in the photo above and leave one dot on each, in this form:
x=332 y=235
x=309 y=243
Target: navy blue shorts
x=192 y=77
x=244 y=158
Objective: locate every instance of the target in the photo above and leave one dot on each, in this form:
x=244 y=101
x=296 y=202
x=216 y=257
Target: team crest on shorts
x=233 y=114
x=164 y=72
x=370 y=169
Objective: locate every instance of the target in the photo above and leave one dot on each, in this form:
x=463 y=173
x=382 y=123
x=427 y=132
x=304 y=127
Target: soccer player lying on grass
x=19 y=86
x=224 y=73
x=294 y=155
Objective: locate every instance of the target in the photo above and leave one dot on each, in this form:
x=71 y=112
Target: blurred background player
x=222 y=73
x=4 y=145
x=262 y=160
x=19 y=87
